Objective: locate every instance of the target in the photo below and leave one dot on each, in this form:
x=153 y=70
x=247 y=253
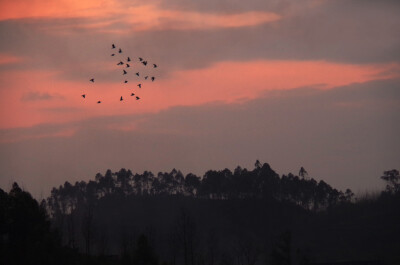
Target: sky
x=312 y=83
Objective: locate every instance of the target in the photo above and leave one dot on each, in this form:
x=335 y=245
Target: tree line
x=79 y=210
x=244 y=217
x=260 y=183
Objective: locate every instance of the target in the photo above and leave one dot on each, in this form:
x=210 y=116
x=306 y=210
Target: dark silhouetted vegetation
x=244 y=217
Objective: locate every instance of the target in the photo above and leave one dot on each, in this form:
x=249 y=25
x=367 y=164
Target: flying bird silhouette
x=128 y=59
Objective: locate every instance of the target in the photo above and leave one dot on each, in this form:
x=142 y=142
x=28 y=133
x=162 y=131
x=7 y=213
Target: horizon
x=357 y=194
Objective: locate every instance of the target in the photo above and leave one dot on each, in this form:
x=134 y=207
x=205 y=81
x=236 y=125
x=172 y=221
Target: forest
x=244 y=217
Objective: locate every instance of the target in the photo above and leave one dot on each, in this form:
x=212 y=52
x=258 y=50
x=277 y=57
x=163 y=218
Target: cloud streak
x=145 y=18
x=38 y=96
x=19 y=9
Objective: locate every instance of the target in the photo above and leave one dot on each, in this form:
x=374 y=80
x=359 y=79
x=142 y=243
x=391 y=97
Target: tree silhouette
x=281 y=254
x=303 y=173
x=144 y=253
x=25 y=232
x=140 y=199
x=192 y=184
x=198 y=220
x=186 y=232
x=88 y=228
x=392 y=179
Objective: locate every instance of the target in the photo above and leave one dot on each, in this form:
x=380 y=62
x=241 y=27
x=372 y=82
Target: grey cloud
x=38 y=96
x=235 y=6
x=49 y=129
x=346 y=136
x=18 y=134
x=62 y=110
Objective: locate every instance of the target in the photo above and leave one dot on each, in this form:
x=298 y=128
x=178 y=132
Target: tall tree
x=88 y=228
x=186 y=232
x=303 y=173
x=392 y=179
x=144 y=253
x=25 y=235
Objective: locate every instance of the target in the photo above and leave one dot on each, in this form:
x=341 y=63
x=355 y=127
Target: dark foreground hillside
x=239 y=218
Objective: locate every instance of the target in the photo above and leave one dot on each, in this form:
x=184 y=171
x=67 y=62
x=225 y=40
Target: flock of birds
x=127 y=64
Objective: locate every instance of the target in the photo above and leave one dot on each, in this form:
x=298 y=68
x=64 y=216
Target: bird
x=137 y=98
x=113 y=54
x=154 y=65
x=132 y=94
x=139 y=85
x=153 y=78
x=125 y=72
x=126 y=81
x=144 y=63
x=113 y=46
x=127 y=65
x=92 y=80
x=84 y=95
x=129 y=59
x=146 y=77
x=121 y=99
x=137 y=73
x=140 y=59
x=98 y=102
x=120 y=63
x=120 y=51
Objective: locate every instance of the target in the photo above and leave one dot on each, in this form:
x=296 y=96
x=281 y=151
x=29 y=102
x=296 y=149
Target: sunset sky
x=313 y=83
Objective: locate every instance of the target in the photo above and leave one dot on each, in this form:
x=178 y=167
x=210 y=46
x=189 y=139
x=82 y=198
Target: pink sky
x=207 y=53
x=225 y=81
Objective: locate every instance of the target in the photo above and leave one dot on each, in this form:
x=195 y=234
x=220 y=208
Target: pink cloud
x=226 y=81
x=55 y=9
x=232 y=81
x=137 y=16
x=150 y=17
x=9 y=59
